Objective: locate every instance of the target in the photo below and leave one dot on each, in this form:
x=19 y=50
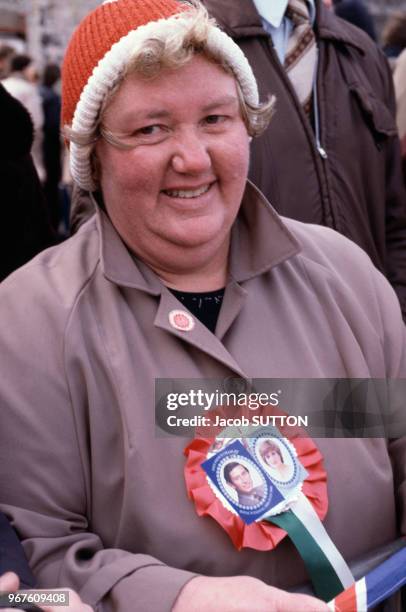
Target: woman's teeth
x=186 y=193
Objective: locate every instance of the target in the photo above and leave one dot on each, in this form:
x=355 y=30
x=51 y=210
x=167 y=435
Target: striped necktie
x=301 y=54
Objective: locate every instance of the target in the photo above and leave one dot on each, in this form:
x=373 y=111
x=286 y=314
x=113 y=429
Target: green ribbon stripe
x=325 y=581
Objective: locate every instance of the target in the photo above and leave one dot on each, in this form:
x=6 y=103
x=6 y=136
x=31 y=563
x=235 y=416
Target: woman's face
x=176 y=194
x=273 y=459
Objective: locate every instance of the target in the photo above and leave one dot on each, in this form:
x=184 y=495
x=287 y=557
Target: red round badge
x=182 y=320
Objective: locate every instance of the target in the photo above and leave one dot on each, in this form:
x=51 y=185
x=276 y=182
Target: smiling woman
x=180 y=184
x=184 y=272
x=169 y=148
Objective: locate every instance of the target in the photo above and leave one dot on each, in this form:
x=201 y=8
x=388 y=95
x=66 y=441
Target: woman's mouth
x=187 y=193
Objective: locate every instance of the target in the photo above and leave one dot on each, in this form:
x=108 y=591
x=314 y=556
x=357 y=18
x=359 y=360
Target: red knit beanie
x=96 y=34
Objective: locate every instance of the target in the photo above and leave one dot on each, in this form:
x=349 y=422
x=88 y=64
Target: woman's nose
x=191 y=154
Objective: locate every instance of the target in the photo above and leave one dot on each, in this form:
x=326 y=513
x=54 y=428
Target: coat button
x=182 y=320
x=232 y=384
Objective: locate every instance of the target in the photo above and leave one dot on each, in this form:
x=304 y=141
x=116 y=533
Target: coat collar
x=259 y=241
x=240 y=19
x=331 y=27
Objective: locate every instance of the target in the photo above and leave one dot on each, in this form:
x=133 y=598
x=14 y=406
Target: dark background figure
x=356 y=12
x=12 y=557
x=6 y=55
x=51 y=144
x=25 y=228
x=22 y=84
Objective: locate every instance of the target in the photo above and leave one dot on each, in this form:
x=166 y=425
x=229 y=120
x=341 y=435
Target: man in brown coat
x=341 y=168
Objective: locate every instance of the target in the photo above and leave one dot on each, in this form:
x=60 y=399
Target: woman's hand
x=241 y=594
x=10 y=582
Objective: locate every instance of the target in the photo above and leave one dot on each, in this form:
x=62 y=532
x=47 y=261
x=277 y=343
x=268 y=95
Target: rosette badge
x=263 y=488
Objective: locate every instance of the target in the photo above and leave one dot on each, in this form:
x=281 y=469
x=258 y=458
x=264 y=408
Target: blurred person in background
x=6 y=55
x=357 y=13
x=394 y=36
x=52 y=145
x=21 y=83
x=25 y=227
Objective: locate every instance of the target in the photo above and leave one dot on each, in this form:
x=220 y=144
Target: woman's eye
x=149 y=130
x=150 y=134
x=215 y=119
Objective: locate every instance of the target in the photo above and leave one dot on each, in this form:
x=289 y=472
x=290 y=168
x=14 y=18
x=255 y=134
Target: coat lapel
x=199 y=337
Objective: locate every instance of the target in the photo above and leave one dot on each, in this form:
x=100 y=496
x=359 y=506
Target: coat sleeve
x=393 y=334
x=375 y=304
x=43 y=488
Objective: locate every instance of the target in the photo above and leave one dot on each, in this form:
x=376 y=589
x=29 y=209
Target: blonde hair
x=170 y=49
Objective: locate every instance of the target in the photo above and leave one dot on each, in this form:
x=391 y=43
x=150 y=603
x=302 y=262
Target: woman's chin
x=195 y=233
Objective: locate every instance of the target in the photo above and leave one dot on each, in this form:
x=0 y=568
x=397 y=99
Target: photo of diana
x=275 y=461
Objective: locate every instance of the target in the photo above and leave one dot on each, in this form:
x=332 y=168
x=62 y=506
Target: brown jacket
x=98 y=500
x=358 y=189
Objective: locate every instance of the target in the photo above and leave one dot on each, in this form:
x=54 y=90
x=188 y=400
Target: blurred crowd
x=39 y=93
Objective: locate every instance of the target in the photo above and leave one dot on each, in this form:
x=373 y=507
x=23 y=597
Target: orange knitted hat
x=100 y=49
x=95 y=36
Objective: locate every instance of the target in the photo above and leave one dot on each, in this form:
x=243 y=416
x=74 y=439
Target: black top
x=205 y=306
